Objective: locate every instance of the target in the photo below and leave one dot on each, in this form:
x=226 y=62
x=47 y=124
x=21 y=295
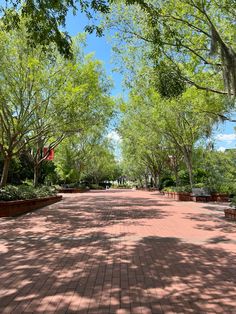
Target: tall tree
x=46 y=19
x=28 y=80
x=44 y=98
x=194 y=40
x=143 y=144
x=153 y=128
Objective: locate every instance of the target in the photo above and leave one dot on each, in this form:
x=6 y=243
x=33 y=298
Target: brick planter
x=73 y=190
x=172 y=195
x=201 y=198
x=183 y=196
x=230 y=213
x=219 y=197
x=15 y=208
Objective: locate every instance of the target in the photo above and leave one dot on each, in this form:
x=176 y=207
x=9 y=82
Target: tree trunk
x=140 y=181
x=146 y=181
x=36 y=175
x=156 y=180
x=190 y=173
x=188 y=162
x=6 y=165
x=176 y=176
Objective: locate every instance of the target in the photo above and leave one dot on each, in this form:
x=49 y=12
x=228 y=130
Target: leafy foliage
x=45 y=98
x=23 y=192
x=168 y=81
x=195 y=37
x=45 y=20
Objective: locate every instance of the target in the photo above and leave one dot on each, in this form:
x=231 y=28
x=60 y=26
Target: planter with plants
x=201 y=193
x=73 y=188
x=183 y=193
x=230 y=213
x=167 y=191
x=180 y=193
x=16 y=200
x=219 y=197
x=221 y=194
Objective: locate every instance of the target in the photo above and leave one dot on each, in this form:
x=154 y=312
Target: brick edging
x=15 y=208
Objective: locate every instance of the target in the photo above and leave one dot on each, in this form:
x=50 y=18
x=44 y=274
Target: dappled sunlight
x=115 y=261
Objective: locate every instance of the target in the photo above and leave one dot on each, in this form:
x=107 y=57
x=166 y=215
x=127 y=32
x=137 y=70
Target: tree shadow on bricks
x=215 y=208
x=80 y=215
x=212 y=222
x=87 y=213
x=108 y=273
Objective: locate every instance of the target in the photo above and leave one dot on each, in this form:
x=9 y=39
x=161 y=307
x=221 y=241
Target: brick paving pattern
x=119 y=252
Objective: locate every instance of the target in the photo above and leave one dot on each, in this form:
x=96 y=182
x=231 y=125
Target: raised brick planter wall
x=201 y=198
x=230 y=213
x=15 y=208
x=219 y=197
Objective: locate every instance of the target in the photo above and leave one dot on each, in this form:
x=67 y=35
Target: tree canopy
x=45 y=98
x=195 y=39
x=46 y=19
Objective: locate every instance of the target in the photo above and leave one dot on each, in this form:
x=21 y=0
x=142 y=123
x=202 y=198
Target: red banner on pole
x=49 y=152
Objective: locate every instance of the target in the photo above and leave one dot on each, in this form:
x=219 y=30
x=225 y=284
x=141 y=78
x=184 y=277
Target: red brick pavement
x=119 y=252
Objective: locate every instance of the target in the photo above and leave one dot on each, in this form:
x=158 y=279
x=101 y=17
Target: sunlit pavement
x=119 y=251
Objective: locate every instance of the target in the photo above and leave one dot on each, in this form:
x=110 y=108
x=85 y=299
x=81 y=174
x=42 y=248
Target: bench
x=201 y=195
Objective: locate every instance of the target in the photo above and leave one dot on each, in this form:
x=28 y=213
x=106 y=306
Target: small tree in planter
x=231 y=212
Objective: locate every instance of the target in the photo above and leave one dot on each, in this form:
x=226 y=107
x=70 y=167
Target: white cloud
x=114 y=136
x=229 y=138
x=221 y=149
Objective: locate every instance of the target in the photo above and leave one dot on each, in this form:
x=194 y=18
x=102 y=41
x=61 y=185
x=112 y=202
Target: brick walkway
x=119 y=252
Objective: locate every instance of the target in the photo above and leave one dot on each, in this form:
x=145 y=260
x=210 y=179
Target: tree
x=86 y=157
x=45 y=19
x=101 y=164
x=144 y=147
x=28 y=81
x=44 y=98
x=193 y=38
x=184 y=122
x=154 y=128
x=219 y=170
x=83 y=102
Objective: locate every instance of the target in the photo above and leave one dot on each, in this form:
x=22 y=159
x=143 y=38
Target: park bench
x=201 y=195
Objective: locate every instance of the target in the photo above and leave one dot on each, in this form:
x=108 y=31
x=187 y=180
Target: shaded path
x=119 y=252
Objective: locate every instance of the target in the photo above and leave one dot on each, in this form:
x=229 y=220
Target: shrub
x=96 y=187
x=23 y=192
x=199 y=185
x=185 y=189
x=75 y=185
x=166 y=182
x=169 y=189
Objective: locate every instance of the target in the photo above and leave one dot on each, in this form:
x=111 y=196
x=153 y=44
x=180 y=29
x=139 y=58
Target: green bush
x=96 y=187
x=226 y=188
x=169 y=189
x=23 y=192
x=185 y=189
x=199 y=185
x=166 y=182
x=122 y=186
x=75 y=185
